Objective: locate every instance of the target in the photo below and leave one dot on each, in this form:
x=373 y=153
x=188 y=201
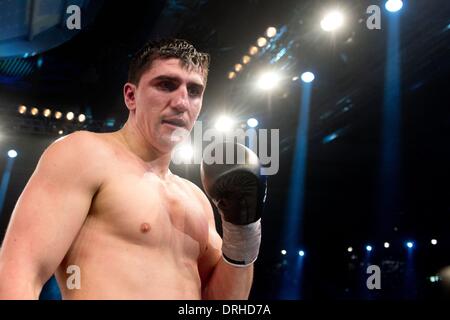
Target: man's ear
x=129 y=94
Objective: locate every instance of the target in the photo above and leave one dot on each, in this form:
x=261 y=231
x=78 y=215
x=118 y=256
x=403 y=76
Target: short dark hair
x=166 y=49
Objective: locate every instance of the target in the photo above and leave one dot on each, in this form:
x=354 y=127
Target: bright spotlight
x=307 y=77
x=22 y=109
x=253 y=50
x=332 y=21
x=410 y=244
x=350 y=249
x=245 y=59
x=369 y=248
x=231 y=75
x=261 y=42
x=252 y=122
x=393 y=5
x=387 y=245
x=70 y=116
x=434 y=278
x=268 y=80
x=271 y=32
x=12 y=153
x=433 y=242
x=81 y=118
x=224 y=123
x=238 y=67
x=301 y=253
x=60 y=132
x=34 y=111
x=47 y=113
x=283 y=252
x=184 y=152
x=58 y=115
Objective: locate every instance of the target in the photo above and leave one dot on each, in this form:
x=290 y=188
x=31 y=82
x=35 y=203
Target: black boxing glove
x=238 y=191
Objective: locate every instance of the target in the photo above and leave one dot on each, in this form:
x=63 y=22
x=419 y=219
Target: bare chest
x=141 y=208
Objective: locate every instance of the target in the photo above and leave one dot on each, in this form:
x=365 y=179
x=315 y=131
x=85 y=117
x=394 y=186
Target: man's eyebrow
x=177 y=79
x=164 y=78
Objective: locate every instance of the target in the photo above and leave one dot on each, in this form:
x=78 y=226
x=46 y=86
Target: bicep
x=49 y=213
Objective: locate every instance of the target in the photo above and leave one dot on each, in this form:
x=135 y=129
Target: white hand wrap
x=240 y=246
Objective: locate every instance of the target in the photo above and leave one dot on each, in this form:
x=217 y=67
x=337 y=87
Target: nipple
x=145 y=227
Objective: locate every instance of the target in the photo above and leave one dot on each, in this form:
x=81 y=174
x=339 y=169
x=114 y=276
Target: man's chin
x=179 y=135
x=169 y=140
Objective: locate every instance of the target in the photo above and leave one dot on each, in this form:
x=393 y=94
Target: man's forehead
x=174 y=67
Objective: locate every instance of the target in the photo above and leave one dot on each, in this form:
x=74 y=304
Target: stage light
x=261 y=42
x=330 y=137
x=70 y=116
x=40 y=62
x=34 y=111
x=434 y=278
x=369 y=248
x=253 y=50
x=433 y=242
x=386 y=245
x=307 y=77
x=81 y=118
x=301 y=253
x=12 y=153
x=47 y=113
x=246 y=59
x=224 y=123
x=393 y=5
x=410 y=244
x=350 y=249
x=22 y=109
x=268 y=80
x=231 y=75
x=184 y=153
x=271 y=32
x=332 y=21
x=238 y=67
x=58 y=115
x=252 y=122
x=283 y=252
x=295 y=78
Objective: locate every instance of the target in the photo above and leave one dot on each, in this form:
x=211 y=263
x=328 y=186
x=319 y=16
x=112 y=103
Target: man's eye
x=194 y=92
x=167 y=86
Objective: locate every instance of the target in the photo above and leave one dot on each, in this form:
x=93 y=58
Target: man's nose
x=180 y=100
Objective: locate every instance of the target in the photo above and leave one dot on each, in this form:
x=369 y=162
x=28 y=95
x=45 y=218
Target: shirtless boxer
x=109 y=204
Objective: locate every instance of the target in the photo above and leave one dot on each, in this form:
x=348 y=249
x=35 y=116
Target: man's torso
x=142 y=237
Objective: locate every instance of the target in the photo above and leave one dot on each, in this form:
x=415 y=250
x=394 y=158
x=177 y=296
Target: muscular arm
x=48 y=216
x=228 y=282
x=220 y=280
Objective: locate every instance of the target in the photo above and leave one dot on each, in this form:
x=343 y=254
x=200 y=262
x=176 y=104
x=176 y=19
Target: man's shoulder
x=79 y=146
x=80 y=154
x=79 y=142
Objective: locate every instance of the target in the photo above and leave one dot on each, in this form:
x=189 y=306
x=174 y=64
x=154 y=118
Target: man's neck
x=156 y=161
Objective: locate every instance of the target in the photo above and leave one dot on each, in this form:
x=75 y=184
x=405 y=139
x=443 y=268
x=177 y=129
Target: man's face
x=167 y=102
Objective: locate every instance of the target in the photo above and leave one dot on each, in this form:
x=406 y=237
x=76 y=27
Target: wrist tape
x=240 y=243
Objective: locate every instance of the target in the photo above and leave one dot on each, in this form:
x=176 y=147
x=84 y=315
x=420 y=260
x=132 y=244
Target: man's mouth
x=176 y=122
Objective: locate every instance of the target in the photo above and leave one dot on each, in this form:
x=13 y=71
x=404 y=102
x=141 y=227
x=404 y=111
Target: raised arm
x=238 y=191
x=220 y=280
x=48 y=215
